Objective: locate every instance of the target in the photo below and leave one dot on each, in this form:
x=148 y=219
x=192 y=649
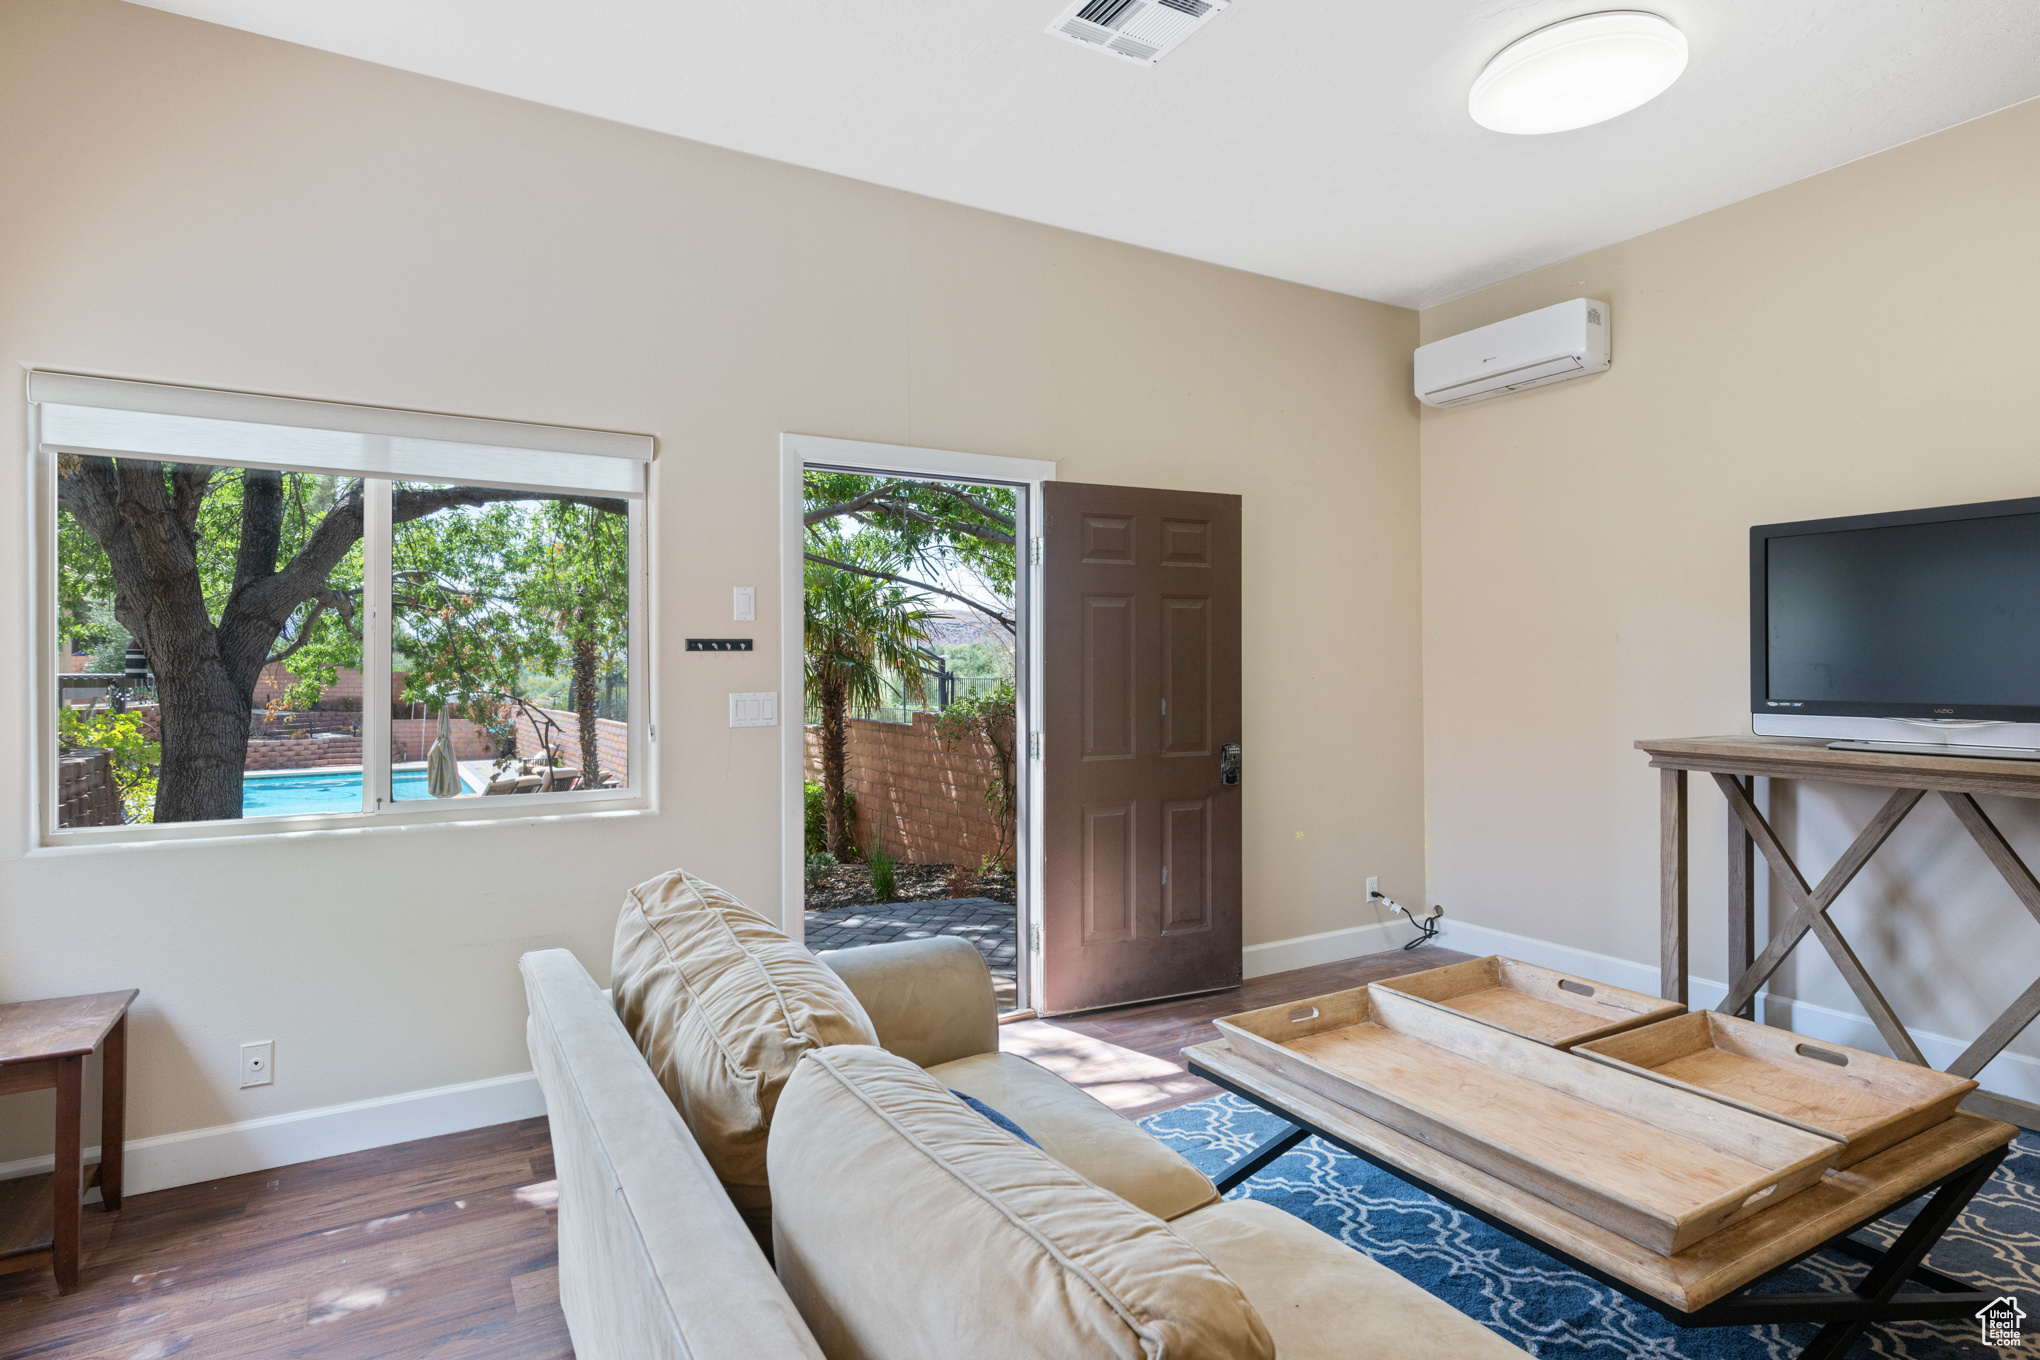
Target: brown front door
x=1140 y=701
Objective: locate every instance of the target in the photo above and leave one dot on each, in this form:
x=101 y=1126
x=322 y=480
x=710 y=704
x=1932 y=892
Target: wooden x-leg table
x=1735 y=763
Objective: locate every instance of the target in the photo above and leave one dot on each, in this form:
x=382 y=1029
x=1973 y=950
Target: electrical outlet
x=256 y=1060
x=1373 y=889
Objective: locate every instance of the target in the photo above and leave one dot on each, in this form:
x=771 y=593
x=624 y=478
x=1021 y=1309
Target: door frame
x=796 y=452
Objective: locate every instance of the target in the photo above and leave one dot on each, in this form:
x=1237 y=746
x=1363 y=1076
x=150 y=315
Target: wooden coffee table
x=43 y=1045
x=1707 y=1285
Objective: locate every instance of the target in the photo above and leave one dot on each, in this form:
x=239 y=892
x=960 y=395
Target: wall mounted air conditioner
x=1549 y=345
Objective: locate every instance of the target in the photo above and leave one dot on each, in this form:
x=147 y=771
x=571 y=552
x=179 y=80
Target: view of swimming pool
x=340 y=791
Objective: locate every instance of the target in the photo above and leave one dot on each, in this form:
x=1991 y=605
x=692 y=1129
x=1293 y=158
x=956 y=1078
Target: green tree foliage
x=489 y=601
x=933 y=530
x=134 y=757
x=323 y=634
x=858 y=629
x=989 y=718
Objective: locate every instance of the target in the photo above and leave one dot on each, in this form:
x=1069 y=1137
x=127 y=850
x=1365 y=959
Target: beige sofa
x=655 y=1261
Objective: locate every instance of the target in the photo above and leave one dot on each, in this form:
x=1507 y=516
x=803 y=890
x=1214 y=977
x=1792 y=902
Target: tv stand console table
x=1736 y=763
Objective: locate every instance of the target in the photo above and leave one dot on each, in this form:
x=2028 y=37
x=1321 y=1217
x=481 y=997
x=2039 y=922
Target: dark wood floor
x=443 y=1247
x=447 y=1247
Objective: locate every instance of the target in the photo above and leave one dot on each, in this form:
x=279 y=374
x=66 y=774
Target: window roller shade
x=110 y=417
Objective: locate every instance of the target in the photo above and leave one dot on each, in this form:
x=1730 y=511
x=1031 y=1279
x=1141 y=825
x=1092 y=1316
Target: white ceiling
x=1324 y=141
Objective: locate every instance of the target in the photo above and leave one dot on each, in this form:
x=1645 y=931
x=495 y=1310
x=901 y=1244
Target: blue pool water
x=340 y=791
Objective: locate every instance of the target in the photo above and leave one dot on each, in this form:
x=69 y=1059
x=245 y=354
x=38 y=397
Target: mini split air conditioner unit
x=1139 y=31
x=1549 y=345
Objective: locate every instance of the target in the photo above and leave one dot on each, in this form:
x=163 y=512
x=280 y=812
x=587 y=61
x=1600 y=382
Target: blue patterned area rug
x=1555 y=1312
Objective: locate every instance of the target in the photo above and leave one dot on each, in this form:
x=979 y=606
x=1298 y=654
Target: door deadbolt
x=1229 y=763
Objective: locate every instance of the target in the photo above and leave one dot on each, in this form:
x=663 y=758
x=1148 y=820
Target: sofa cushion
x=930 y=1000
x=906 y=1227
x=1321 y=1300
x=997 y=1118
x=1082 y=1133
x=723 y=1005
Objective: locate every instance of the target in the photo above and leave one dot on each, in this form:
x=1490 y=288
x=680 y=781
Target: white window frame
x=461 y=450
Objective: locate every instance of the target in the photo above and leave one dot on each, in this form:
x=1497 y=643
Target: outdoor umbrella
x=442 y=772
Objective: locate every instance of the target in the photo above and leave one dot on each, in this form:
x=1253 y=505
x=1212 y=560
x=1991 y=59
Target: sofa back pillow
x=723 y=1005
x=906 y=1226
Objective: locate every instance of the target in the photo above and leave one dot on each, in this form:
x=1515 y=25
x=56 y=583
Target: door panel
x=1109 y=640
x=1186 y=677
x=1186 y=866
x=1108 y=872
x=1108 y=540
x=1141 y=686
x=1186 y=543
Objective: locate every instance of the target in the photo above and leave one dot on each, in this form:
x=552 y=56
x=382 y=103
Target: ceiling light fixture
x=1578 y=72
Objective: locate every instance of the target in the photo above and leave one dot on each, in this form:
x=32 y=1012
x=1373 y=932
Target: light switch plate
x=755 y=710
x=745 y=604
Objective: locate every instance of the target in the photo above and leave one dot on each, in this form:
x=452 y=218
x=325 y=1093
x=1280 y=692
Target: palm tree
x=858 y=629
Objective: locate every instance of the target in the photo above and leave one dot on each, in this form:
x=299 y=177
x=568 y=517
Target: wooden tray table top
x=1543 y=1004
x=1661 y=1166
x=1867 y=1101
x=1688 y=1280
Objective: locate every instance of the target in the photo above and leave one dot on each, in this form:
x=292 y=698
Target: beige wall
x=1861 y=341
x=193 y=204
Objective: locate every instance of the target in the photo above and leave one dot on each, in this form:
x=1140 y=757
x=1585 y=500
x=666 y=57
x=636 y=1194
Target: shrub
x=989 y=718
x=884 y=876
x=135 y=759
x=816 y=817
x=961 y=881
x=818 y=865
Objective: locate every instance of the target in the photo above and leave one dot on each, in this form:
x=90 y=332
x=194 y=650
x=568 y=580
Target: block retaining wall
x=85 y=792
x=302 y=753
x=612 y=741
x=918 y=798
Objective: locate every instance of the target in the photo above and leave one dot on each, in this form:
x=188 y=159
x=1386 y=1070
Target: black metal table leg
x=1251 y=1165
x=1903 y=1257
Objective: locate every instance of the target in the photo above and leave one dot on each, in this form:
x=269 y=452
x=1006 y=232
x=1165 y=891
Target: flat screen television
x=1916 y=631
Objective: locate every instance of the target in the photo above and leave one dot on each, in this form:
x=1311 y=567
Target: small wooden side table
x=44 y=1044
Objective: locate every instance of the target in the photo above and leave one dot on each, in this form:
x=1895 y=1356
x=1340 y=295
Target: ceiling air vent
x=1141 y=31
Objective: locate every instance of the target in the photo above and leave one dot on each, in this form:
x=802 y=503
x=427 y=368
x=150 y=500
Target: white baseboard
x=2011 y=1074
x=305 y=1135
x=1327 y=946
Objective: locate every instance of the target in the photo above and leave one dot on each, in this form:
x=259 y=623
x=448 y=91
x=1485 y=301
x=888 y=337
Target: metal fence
x=902 y=710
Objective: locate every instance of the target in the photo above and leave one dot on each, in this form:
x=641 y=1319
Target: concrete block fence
x=612 y=740
x=920 y=799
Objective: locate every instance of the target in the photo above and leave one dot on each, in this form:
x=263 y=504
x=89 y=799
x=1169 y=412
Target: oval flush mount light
x=1578 y=72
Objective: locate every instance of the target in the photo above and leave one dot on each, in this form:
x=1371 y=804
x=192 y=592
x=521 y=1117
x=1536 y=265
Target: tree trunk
x=584 y=708
x=205 y=719
x=835 y=704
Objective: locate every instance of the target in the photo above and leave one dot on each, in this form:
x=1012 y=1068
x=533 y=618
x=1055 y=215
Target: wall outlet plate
x=256 y=1061
x=1373 y=889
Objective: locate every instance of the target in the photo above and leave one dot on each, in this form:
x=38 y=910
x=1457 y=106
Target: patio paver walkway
x=988 y=924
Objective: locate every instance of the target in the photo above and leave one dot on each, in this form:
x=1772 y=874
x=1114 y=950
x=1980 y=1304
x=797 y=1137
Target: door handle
x=1229 y=763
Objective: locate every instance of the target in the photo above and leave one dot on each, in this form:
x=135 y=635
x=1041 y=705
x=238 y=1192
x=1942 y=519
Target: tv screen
x=1921 y=614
